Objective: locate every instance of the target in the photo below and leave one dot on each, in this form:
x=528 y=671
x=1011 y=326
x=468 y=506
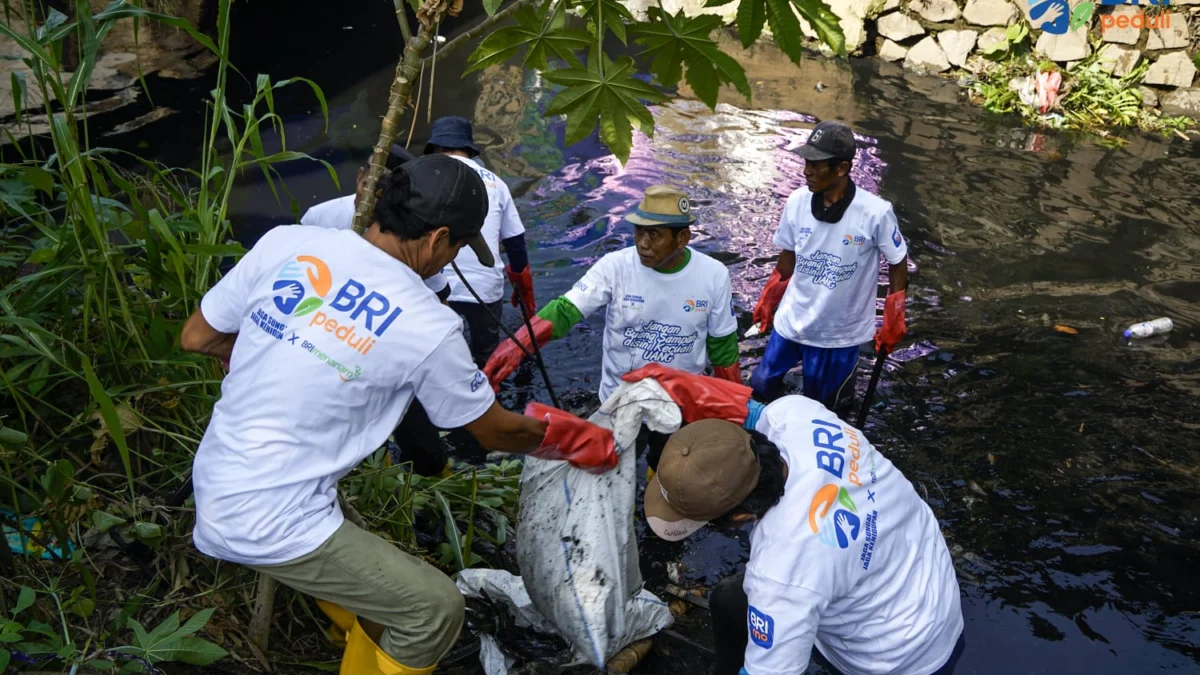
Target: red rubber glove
x=893 y=330
x=698 y=397
x=582 y=444
x=508 y=355
x=731 y=372
x=522 y=280
x=772 y=295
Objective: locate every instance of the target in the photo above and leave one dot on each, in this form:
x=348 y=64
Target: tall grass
x=105 y=256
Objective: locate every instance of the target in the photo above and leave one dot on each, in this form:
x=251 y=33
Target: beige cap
x=663 y=206
x=707 y=468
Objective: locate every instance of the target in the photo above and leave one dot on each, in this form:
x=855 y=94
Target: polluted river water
x=1061 y=462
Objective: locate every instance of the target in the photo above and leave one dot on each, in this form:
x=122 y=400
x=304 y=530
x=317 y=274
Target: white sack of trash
x=576 y=545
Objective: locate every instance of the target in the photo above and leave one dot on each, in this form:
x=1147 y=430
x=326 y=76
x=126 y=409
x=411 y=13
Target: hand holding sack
x=698 y=397
x=509 y=354
x=893 y=330
x=522 y=281
x=772 y=295
x=579 y=442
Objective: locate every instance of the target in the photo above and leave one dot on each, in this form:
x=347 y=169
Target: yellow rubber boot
x=364 y=657
x=649 y=474
x=342 y=620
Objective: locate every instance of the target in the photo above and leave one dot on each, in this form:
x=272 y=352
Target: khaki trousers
x=419 y=607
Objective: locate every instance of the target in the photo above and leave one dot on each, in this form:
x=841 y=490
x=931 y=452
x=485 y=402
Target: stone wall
x=944 y=35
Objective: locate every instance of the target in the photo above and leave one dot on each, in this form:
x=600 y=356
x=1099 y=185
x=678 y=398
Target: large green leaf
x=823 y=21
x=672 y=40
x=611 y=98
x=751 y=16
x=611 y=13
x=544 y=36
x=786 y=28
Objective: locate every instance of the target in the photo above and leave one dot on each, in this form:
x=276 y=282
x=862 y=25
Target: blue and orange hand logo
x=289 y=292
x=840 y=527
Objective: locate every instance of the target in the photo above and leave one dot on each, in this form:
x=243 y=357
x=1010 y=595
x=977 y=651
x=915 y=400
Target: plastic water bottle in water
x=1147 y=328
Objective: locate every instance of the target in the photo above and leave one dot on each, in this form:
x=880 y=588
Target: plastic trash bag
x=576 y=545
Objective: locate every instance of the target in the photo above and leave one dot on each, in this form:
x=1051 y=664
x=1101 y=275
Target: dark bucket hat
x=452 y=133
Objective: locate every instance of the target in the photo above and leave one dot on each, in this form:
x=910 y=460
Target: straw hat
x=663 y=206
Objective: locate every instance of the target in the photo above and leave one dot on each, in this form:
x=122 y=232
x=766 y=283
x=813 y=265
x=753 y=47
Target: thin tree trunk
x=407 y=72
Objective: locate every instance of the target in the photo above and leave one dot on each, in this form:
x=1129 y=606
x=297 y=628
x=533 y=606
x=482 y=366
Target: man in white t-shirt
x=844 y=555
x=502 y=228
x=826 y=279
x=418 y=443
x=332 y=336
x=664 y=303
x=338 y=213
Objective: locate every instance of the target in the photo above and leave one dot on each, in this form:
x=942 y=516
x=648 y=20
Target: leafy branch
x=565 y=41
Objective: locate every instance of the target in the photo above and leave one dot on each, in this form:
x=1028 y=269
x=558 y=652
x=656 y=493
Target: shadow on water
x=1064 y=468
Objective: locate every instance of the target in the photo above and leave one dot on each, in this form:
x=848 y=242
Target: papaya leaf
x=614 y=14
x=613 y=98
x=820 y=17
x=751 y=16
x=675 y=40
x=542 y=35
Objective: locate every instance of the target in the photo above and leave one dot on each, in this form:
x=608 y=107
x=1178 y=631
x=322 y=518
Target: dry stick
x=264 y=611
x=432 y=74
x=413 y=127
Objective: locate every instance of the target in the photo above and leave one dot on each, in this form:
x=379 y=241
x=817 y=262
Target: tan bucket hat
x=663 y=206
x=707 y=468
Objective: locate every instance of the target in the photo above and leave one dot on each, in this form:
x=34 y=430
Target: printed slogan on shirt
x=660 y=341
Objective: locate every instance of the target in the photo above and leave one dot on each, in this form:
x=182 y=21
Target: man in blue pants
x=832 y=235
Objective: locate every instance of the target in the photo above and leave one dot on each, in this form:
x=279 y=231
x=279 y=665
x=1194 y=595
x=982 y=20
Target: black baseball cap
x=830 y=140
x=445 y=192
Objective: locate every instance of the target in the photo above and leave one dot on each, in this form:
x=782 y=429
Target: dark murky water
x=1063 y=468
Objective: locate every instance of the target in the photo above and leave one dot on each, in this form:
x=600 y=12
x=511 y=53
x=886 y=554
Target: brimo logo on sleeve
x=1057 y=17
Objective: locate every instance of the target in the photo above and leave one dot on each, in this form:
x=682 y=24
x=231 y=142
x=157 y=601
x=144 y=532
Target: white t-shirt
x=334 y=339
x=502 y=222
x=654 y=317
x=850 y=560
x=830 y=301
x=338 y=214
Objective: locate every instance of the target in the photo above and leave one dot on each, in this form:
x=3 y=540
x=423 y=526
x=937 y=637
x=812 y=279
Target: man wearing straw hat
x=664 y=303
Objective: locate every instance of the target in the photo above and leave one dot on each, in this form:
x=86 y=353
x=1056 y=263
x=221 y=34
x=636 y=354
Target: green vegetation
x=105 y=256
x=1089 y=98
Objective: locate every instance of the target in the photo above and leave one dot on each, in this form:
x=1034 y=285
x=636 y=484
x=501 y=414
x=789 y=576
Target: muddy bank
x=153 y=49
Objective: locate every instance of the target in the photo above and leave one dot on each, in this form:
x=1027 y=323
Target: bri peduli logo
x=1057 y=17
x=695 y=306
x=295 y=298
x=839 y=528
x=762 y=627
x=853 y=240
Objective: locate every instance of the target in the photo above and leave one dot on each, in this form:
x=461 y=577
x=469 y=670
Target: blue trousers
x=827 y=372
